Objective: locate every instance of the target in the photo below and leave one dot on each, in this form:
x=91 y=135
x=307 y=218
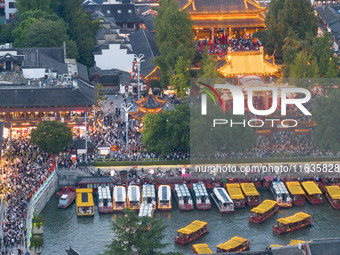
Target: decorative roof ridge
x=187 y=5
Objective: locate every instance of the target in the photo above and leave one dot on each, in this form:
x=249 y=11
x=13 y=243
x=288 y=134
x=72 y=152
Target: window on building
x=11 y=5
x=129 y=11
x=11 y=16
x=130 y=25
x=119 y=11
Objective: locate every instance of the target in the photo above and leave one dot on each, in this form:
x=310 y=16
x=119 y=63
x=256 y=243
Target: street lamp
x=139 y=59
x=127 y=108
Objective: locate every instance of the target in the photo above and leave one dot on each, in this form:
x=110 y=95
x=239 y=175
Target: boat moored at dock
x=333 y=196
x=146 y=210
x=149 y=195
x=201 y=197
x=292 y=223
x=191 y=232
x=201 y=248
x=104 y=200
x=298 y=195
x=281 y=194
x=313 y=193
x=236 y=194
x=183 y=197
x=66 y=197
x=84 y=202
x=119 y=198
x=235 y=244
x=264 y=211
x=251 y=194
x=133 y=197
x=222 y=200
x=164 y=198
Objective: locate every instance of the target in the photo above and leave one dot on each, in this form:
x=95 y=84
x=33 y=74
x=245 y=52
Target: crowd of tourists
x=24 y=170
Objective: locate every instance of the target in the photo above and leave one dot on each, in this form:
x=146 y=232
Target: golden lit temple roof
x=224 y=13
x=247 y=63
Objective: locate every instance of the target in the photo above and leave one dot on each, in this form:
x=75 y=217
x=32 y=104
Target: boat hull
x=299 y=201
x=72 y=196
x=203 y=207
x=315 y=201
x=221 y=209
x=239 y=204
x=285 y=205
x=186 y=207
x=252 y=203
x=280 y=231
x=105 y=210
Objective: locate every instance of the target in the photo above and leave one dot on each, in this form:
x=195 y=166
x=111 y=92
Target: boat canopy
x=182 y=190
x=164 y=193
x=235 y=191
x=222 y=195
x=64 y=196
x=104 y=192
x=232 y=243
x=249 y=189
x=119 y=194
x=149 y=191
x=279 y=188
x=146 y=210
x=202 y=248
x=294 y=218
x=265 y=206
x=84 y=197
x=311 y=188
x=193 y=227
x=333 y=191
x=134 y=193
x=199 y=190
x=295 y=188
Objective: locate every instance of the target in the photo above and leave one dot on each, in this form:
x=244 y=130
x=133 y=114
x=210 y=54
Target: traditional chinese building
x=248 y=63
x=220 y=17
x=148 y=104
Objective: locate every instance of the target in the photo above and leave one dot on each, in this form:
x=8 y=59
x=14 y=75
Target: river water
x=89 y=236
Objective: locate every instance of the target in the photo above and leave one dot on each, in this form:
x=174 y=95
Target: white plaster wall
x=33 y=73
x=114 y=58
x=8 y=10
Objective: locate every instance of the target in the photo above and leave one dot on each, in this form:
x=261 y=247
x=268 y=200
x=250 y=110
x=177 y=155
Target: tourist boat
x=104 y=200
x=251 y=194
x=236 y=194
x=298 y=195
x=149 y=195
x=313 y=193
x=183 y=197
x=333 y=196
x=201 y=248
x=264 y=211
x=292 y=223
x=201 y=196
x=66 y=197
x=119 y=198
x=84 y=202
x=235 y=244
x=191 y=232
x=133 y=197
x=223 y=201
x=281 y=194
x=164 y=198
x=146 y=210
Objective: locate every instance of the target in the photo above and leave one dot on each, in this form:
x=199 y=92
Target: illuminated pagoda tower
x=148 y=104
x=224 y=17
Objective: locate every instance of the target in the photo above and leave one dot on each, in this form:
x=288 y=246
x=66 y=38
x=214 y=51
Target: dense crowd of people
x=25 y=169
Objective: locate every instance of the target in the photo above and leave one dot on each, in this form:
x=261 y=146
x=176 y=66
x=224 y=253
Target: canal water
x=89 y=236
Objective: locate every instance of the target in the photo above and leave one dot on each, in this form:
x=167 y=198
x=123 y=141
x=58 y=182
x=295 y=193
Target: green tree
x=208 y=67
x=143 y=235
x=327 y=116
x=174 y=37
x=81 y=29
x=29 y=5
x=71 y=49
x=46 y=33
x=6 y=33
x=162 y=132
x=304 y=66
x=99 y=94
x=51 y=136
x=285 y=15
x=180 y=77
